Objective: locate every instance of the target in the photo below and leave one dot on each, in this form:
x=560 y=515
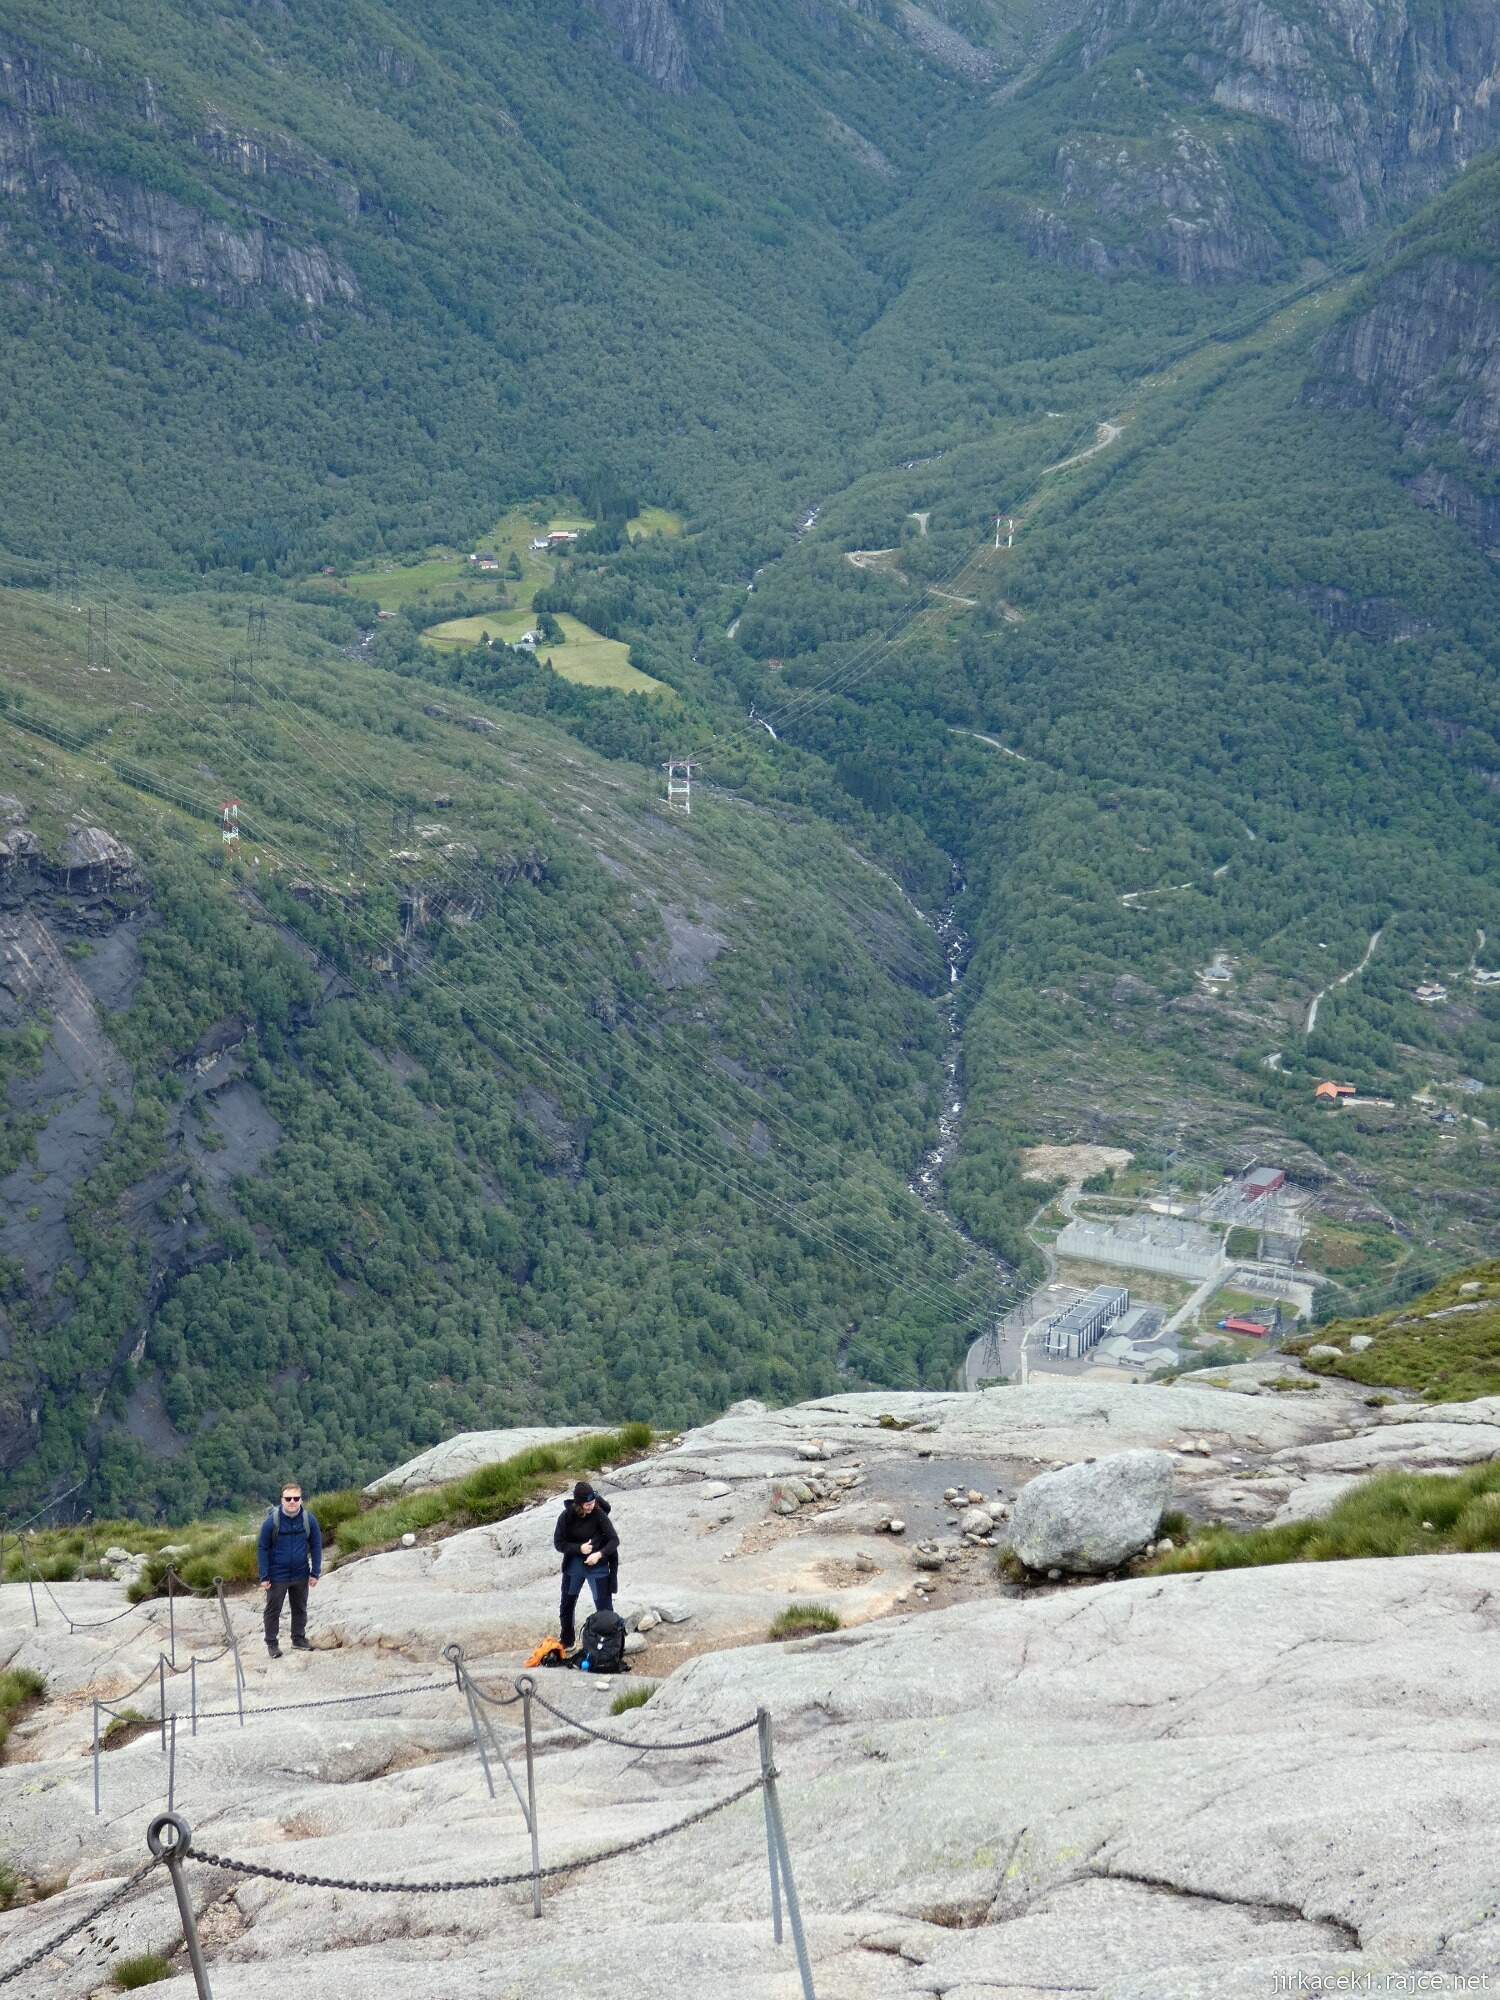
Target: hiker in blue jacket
x=291 y=1561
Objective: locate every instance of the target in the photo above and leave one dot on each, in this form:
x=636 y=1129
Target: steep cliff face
x=1166 y=209
x=54 y=168
x=1383 y=101
x=659 y=37
x=1423 y=348
x=1224 y=139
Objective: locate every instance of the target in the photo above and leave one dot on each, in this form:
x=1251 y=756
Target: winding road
x=1342 y=980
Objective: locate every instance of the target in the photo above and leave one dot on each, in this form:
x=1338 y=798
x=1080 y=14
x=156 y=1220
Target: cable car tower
x=679 y=784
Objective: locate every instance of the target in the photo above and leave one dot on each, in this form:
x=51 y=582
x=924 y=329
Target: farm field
x=585 y=655
x=445 y=573
x=655 y=521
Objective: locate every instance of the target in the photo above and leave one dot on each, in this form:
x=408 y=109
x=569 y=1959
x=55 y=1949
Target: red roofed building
x=1234 y=1324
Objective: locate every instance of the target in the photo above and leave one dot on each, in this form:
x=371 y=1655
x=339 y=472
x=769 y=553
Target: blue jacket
x=297 y=1551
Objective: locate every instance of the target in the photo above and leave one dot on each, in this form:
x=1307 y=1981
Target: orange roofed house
x=1330 y=1093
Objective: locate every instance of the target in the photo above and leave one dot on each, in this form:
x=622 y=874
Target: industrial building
x=1140 y=1323
x=1149 y=1354
x=1078 y=1327
x=1265 y=1180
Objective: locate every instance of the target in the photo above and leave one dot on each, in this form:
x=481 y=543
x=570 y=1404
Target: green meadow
x=584 y=656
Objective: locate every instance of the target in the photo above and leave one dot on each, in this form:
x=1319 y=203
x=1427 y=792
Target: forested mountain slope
x=521 y=1099
x=489 y=1095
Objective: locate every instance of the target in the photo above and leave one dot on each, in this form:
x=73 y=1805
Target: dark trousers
x=281 y=1589
x=576 y=1573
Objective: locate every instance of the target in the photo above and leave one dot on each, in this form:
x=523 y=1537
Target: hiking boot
x=274 y=1651
x=301 y=1646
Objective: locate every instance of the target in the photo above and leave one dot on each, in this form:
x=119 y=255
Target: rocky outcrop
x=1378 y=618
x=49 y=158
x=1382 y=104
x=1423 y=349
x=1157 y=1787
x=658 y=37
x=1125 y=209
x=465 y=1453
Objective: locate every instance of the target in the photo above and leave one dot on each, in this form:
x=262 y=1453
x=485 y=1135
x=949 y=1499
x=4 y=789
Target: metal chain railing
x=45 y=1951
x=329 y=1701
x=633 y=1743
x=513 y=1880
x=179 y=1848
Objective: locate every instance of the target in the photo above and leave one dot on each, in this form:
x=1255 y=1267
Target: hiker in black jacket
x=585 y=1538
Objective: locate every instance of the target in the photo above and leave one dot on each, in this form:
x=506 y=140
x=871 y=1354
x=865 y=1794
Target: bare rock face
x=657 y=36
x=139 y=228
x=1167 y=208
x=1087 y=1519
x=1425 y=352
x=1382 y=104
x=90 y=849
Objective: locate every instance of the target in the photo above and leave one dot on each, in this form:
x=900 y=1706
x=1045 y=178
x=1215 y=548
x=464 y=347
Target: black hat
x=583 y=1491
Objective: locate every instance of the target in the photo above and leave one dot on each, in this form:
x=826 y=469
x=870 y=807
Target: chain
x=627 y=1743
x=494 y=1700
x=477 y=1882
x=332 y=1701
x=46 y=1950
x=79 y=1624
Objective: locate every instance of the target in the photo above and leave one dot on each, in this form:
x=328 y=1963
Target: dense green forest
x=524 y=1099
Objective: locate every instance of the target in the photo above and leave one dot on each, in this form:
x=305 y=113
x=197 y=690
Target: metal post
x=478 y=1736
x=767 y=1767
x=172 y=1766
x=172 y=1853
x=171 y=1618
x=161 y=1698
x=524 y=1686
x=193 y=1689
x=31 y=1586
x=793 y=1907
x=234 y=1647
x=96 y=1756
x=454 y=1655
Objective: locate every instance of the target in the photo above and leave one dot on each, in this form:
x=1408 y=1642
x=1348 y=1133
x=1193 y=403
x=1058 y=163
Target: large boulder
x=1090 y=1518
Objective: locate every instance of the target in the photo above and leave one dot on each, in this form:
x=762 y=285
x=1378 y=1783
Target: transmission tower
x=679 y=784
x=255 y=628
x=229 y=827
x=1010 y=531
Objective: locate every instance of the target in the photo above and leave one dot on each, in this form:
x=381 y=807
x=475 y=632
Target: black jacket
x=574 y=1529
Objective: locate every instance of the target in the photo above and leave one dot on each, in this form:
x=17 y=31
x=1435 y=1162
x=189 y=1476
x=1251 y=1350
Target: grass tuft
x=801 y=1621
x=124 y=1728
x=10 y=1886
x=633 y=1698
x=1383 y=1516
x=18 y=1686
x=145 y=1970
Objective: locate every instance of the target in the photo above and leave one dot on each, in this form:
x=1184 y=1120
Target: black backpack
x=603 y=1644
